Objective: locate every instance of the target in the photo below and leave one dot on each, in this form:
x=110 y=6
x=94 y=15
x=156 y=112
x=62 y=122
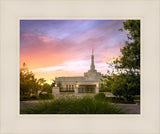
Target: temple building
x=88 y=83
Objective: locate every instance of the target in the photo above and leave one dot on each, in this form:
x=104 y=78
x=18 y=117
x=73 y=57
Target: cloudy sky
x=53 y=48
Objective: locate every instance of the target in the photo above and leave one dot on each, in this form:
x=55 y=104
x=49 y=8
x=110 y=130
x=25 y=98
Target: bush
x=45 y=96
x=72 y=105
x=66 y=90
x=100 y=96
x=136 y=97
x=24 y=97
x=124 y=85
x=50 y=96
x=104 y=88
x=34 y=97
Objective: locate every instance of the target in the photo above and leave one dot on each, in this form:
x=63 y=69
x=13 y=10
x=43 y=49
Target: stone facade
x=55 y=91
x=90 y=82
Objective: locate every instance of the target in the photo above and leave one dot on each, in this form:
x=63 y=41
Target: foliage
x=66 y=90
x=41 y=81
x=47 y=88
x=125 y=81
x=72 y=105
x=29 y=85
x=28 y=97
x=36 y=97
x=100 y=96
x=45 y=96
x=130 y=59
x=53 y=83
x=27 y=82
x=137 y=97
x=104 y=87
x=124 y=85
x=24 y=97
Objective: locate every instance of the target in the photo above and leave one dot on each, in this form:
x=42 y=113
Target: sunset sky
x=53 y=48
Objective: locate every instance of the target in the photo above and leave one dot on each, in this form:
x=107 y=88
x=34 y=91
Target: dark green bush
x=34 y=97
x=50 y=96
x=136 y=97
x=66 y=90
x=24 y=97
x=45 y=96
x=100 y=96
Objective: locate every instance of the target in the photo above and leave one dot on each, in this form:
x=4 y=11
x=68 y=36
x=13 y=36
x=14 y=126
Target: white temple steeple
x=92 y=67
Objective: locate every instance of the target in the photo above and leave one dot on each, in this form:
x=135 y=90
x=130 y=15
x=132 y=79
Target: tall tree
x=126 y=81
x=27 y=81
x=130 y=59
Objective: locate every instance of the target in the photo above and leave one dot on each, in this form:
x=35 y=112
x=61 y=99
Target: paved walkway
x=130 y=108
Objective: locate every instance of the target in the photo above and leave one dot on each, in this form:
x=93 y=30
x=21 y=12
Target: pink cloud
x=69 y=51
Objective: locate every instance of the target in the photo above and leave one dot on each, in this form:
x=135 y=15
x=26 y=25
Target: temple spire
x=92 y=67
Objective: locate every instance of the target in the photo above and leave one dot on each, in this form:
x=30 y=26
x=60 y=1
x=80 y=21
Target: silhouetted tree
x=53 y=83
x=27 y=81
x=30 y=85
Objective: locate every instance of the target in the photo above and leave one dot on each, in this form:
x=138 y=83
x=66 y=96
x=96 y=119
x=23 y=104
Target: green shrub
x=100 y=96
x=45 y=96
x=28 y=97
x=24 y=97
x=104 y=90
x=34 y=97
x=50 y=96
x=124 y=85
x=66 y=90
x=136 y=97
x=72 y=105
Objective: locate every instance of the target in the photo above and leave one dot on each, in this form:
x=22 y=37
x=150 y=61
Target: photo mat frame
x=13 y=11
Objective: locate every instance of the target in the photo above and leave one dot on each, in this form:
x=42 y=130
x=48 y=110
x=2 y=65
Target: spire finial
x=92 y=67
x=92 y=51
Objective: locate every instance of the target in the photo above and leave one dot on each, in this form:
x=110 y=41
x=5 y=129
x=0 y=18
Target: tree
x=47 y=88
x=130 y=59
x=27 y=81
x=53 y=83
x=124 y=85
x=41 y=81
x=30 y=85
x=126 y=80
